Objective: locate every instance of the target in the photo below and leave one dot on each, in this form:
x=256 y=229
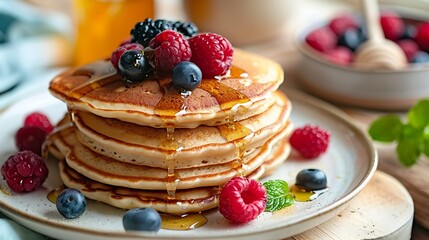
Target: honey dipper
x=377 y=52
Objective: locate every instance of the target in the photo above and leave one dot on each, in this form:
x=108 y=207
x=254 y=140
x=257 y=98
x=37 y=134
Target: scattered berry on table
x=422 y=36
x=421 y=57
x=24 y=171
x=392 y=25
x=170 y=48
x=340 y=55
x=409 y=47
x=186 y=76
x=342 y=23
x=242 y=200
x=133 y=66
x=322 y=39
x=311 y=179
x=145 y=31
x=40 y=120
x=188 y=29
x=142 y=219
x=116 y=55
x=71 y=203
x=310 y=141
x=30 y=138
x=212 y=53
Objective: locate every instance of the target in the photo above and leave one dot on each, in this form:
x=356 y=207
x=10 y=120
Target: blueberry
x=351 y=38
x=186 y=76
x=409 y=32
x=133 y=66
x=142 y=219
x=311 y=179
x=71 y=203
x=421 y=57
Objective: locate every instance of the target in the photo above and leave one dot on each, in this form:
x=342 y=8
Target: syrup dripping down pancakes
x=148 y=145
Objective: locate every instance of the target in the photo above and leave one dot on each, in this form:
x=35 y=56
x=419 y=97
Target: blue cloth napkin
x=31 y=39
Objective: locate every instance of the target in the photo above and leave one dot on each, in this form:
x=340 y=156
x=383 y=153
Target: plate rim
x=292 y=94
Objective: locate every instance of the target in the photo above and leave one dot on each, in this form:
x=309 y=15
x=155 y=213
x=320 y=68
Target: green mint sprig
x=278 y=195
x=412 y=137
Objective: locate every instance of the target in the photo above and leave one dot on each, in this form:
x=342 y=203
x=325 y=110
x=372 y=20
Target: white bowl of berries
x=327 y=69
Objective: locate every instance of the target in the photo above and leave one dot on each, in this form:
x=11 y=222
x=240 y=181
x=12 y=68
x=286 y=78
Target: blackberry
x=144 y=31
x=188 y=29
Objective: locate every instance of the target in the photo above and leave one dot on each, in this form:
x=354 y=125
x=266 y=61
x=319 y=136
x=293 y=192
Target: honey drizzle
x=53 y=195
x=302 y=195
x=226 y=96
x=183 y=222
x=240 y=135
x=97 y=78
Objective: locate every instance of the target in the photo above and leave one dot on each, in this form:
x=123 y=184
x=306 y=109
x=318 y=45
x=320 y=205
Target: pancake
x=199 y=146
x=99 y=89
x=107 y=170
x=185 y=201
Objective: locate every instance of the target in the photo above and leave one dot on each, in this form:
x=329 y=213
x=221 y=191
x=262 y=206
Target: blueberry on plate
x=311 y=179
x=133 y=66
x=71 y=203
x=186 y=76
x=142 y=219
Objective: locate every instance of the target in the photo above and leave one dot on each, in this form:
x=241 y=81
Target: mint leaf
x=278 y=195
x=418 y=115
x=426 y=145
x=386 y=128
x=408 y=150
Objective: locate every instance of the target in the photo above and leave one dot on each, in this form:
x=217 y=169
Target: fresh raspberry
x=322 y=39
x=310 y=141
x=116 y=55
x=422 y=36
x=242 y=200
x=342 y=23
x=125 y=41
x=409 y=47
x=170 y=48
x=24 y=171
x=212 y=53
x=30 y=138
x=38 y=119
x=392 y=25
x=339 y=55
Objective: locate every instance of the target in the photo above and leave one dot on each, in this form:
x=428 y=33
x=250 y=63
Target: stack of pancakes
x=149 y=145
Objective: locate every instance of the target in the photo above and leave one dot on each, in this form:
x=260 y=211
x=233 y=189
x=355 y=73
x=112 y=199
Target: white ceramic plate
x=349 y=164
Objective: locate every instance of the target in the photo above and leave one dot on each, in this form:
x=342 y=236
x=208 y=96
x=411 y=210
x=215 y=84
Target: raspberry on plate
x=342 y=23
x=24 y=171
x=322 y=39
x=310 y=141
x=170 y=48
x=30 y=138
x=422 y=36
x=212 y=53
x=242 y=200
x=38 y=119
x=392 y=25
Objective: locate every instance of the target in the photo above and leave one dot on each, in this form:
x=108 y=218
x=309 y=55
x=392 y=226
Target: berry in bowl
x=329 y=49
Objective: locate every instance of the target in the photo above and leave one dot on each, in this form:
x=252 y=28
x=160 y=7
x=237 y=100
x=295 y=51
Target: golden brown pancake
x=99 y=89
x=107 y=170
x=203 y=145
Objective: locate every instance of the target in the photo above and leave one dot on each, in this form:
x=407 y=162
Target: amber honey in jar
x=101 y=25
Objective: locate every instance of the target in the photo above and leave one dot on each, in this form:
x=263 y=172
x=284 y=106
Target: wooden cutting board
x=383 y=210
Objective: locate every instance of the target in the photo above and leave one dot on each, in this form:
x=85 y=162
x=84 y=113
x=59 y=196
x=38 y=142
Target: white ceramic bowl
x=383 y=89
